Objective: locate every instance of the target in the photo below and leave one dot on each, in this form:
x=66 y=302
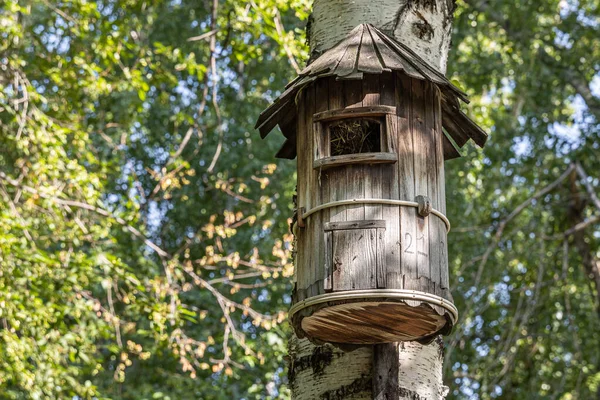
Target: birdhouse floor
x=373 y=322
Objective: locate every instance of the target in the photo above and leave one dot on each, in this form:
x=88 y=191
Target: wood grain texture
x=302 y=188
x=321 y=103
x=313 y=225
x=354 y=259
x=406 y=181
x=434 y=192
x=389 y=189
x=355 y=159
x=364 y=224
x=422 y=143
x=328 y=262
x=370 y=246
x=370 y=109
x=365 y=52
x=370 y=322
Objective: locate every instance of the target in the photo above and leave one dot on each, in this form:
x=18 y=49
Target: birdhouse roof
x=367 y=50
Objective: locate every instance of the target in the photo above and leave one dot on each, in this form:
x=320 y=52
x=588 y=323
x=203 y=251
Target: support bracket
x=424 y=208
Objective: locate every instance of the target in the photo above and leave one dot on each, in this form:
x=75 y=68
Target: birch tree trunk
x=423 y=25
x=393 y=371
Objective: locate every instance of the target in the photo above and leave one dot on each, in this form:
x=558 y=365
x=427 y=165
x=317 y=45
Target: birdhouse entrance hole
x=354 y=136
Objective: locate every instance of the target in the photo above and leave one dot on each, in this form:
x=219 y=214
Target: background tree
x=140 y=216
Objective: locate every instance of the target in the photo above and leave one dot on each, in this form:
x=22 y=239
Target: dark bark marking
x=423 y=29
x=359 y=385
x=320 y=358
x=409 y=394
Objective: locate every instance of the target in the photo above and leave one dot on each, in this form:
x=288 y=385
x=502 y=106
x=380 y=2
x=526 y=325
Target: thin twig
x=588 y=185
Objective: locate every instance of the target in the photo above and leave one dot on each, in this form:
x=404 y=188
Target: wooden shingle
x=367 y=50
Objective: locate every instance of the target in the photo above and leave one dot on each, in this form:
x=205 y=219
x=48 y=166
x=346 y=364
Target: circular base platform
x=373 y=316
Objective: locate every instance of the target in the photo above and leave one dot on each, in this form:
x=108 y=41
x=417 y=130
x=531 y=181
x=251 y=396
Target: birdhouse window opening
x=355 y=136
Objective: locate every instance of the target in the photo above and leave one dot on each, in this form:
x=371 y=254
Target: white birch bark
x=423 y=25
x=401 y=371
x=326 y=372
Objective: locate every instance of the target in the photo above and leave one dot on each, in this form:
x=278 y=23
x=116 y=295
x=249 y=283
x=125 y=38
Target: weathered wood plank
x=354 y=159
x=336 y=178
x=321 y=103
x=313 y=226
x=301 y=190
x=406 y=182
x=389 y=188
x=371 y=97
x=440 y=152
x=450 y=151
x=434 y=159
x=355 y=174
x=341 y=261
x=347 y=64
x=368 y=61
x=355 y=259
x=389 y=57
x=353 y=93
x=443 y=235
x=356 y=112
x=364 y=224
x=370 y=323
x=381 y=277
x=328 y=262
x=421 y=143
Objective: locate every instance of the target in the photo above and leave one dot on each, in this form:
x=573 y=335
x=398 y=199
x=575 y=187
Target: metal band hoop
x=403 y=203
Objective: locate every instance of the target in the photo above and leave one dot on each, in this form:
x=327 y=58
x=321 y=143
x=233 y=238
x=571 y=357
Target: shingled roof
x=367 y=50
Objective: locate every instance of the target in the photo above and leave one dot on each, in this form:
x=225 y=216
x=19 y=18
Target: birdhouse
x=371 y=124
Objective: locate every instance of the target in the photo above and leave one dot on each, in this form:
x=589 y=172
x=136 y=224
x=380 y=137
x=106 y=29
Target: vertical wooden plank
x=336 y=177
x=328 y=282
x=301 y=189
x=433 y=188
x=421 y=143
x=381 y=254
x=336 y=180
x=406 y=180
x=443 y=235
x=389 y=188
x=355 y=174
x=371 y=90
x=314 y=226
x=371 y=96
x=354 y=259
x=364 y=258
x=372 y=179
x=440 y=150
x=352 y=93
x=320 y=103
x=341 y=263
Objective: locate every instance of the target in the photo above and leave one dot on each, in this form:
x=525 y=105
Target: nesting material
x=354 y=136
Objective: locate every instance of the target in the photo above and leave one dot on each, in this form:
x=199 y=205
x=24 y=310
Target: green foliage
x=529 y=310
x=144 y=247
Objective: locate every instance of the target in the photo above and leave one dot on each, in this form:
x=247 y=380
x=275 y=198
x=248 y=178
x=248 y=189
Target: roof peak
x=368 y=50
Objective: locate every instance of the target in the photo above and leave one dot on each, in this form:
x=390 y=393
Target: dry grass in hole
x=355 y=136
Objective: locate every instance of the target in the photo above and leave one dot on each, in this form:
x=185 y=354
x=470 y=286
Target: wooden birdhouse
x=371 y=124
